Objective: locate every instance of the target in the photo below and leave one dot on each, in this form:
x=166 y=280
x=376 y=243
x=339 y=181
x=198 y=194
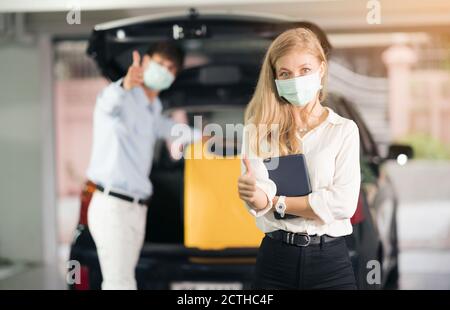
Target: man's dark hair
x=169 y=50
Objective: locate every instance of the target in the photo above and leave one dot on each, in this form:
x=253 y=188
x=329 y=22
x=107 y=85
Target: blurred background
x=398 y=62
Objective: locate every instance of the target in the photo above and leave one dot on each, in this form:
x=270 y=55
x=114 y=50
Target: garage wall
x=24 y=145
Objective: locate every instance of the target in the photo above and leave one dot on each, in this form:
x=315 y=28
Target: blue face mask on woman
x=300 y=90
x=157 y=77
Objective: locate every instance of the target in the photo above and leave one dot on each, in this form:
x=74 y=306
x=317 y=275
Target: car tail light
x=84 y=279
x=358 y=217
x=86 y=196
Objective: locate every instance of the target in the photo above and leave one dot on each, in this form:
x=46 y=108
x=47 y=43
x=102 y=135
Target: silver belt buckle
x=308 y=240
x=290 y=239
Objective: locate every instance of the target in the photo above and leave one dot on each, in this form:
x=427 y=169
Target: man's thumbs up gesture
x=135 y=74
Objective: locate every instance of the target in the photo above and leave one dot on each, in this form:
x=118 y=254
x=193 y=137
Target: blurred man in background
x=127 y=123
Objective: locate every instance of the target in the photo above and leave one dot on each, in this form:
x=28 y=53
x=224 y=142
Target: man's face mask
x=300 y=90
x=157 y=77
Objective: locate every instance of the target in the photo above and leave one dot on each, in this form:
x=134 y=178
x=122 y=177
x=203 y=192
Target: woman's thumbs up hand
x=247 y=165
x=247 y=184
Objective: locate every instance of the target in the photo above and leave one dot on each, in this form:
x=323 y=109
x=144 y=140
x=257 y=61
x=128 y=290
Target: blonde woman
x=308 y=251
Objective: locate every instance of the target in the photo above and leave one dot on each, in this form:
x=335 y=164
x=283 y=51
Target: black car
x=224 y=54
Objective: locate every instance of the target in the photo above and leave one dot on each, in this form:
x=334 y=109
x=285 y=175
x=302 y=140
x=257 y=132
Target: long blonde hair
x=266 y=107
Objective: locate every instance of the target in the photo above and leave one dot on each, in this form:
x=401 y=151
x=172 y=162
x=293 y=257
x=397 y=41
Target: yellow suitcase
x=214 y=216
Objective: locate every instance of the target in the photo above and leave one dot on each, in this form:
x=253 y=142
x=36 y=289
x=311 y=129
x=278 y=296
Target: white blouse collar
x=333 y=117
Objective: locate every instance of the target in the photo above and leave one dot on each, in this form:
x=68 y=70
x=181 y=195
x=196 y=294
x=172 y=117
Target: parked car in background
x=199 y=235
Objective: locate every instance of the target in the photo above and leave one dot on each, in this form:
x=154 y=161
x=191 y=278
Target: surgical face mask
x=157 y=77
x=300 y=90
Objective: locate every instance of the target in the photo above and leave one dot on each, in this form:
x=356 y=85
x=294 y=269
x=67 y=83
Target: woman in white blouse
x=308 y=251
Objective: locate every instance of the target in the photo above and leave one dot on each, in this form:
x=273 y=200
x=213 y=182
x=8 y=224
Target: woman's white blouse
x=332 y=155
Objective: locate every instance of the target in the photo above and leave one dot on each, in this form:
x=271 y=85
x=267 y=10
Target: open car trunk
x=111 y=43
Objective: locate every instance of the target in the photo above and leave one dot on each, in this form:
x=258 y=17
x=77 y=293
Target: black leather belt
x=122 y=196
x=299 y=239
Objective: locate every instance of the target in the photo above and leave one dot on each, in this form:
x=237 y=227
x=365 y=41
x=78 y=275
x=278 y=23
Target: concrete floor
x=425 y=270
x=34 y=278
x=424 y=230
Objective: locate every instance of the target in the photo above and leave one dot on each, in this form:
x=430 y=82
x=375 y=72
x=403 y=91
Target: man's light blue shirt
x=126 y=127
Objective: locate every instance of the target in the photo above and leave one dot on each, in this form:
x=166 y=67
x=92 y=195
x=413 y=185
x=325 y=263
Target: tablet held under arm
x=290 y=174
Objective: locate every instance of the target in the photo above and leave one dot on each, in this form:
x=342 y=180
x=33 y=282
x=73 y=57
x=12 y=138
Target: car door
x=381 y=196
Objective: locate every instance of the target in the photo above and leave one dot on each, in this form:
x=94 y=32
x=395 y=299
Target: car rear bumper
x=167 y=266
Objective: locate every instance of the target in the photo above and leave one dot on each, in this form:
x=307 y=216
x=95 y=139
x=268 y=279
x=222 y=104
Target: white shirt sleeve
x=339 y=201
x=112 y=98
x=164 y=126
x=261 y=175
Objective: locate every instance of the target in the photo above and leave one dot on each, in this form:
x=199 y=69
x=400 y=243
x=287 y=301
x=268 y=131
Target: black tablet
x=290 y=174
